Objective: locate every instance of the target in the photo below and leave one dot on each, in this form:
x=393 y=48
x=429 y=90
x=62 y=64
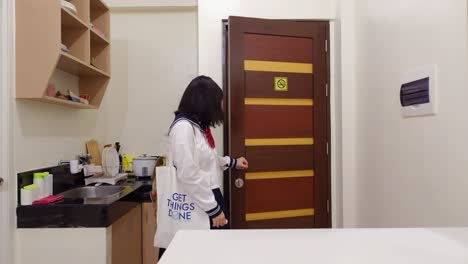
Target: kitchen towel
x=49 y=199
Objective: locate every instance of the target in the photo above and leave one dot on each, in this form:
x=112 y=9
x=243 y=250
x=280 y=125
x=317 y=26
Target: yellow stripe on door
x=276 y=101
x=278 y=141
x=278 y=174
x=275 y=66
x=279 y=214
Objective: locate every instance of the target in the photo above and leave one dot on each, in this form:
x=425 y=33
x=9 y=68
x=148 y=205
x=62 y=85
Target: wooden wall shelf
x=58 y=101
x=41 y=27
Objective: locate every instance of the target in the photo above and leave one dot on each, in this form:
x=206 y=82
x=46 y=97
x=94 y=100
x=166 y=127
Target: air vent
x=415 y=93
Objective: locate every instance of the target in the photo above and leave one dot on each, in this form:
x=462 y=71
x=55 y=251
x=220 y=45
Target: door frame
x=226 y=103
x=7 y=76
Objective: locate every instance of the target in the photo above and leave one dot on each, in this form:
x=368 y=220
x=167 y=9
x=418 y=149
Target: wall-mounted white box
x=418 y=92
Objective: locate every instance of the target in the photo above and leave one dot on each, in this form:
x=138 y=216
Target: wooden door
x=278 y=118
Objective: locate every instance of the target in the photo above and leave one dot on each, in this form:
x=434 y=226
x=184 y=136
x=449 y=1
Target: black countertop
x=76 y=213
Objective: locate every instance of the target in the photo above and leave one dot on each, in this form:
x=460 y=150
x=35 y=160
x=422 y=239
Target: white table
x=347 y=246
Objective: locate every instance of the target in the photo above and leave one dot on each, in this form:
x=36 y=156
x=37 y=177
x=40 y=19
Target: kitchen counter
x=327 y=246
x=76 y=213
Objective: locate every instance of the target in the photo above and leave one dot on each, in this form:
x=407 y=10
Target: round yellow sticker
x=281 y=84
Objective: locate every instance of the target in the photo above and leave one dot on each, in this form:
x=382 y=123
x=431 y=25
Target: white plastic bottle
x=49 y=180
x=48 y=184
x=38 y=179
x=28 y=194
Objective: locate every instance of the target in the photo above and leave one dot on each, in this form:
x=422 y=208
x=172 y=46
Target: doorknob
x=239 y=183
x=1 y=181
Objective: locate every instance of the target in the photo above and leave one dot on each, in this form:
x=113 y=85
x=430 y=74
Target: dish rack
x=102 y=178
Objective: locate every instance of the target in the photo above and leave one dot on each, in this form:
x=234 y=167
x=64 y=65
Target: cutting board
x=93 y=149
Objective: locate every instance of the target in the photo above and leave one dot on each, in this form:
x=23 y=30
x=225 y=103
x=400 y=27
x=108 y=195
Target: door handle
x=239 y=183
x=1 y=181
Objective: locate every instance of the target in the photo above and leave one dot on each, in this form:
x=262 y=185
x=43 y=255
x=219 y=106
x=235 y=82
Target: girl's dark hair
x=202 y=102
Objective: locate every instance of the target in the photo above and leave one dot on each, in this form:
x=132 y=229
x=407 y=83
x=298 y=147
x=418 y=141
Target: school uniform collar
x=190 y=119
x=206 y=132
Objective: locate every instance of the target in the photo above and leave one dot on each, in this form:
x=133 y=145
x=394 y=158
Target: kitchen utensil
x=93 y=149
x=104 y=168
x=118 y=147
x=144 y=165
x=111 y=161
x=75 y=166
x=92 y=170
x=85 y=159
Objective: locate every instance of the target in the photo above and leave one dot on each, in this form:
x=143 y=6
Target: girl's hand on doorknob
x=242 y=164
x=220 y=220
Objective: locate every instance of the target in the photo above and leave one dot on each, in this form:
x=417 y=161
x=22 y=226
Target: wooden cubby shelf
x=42 y=27
x=98 y=39
x=99 y=4
x=75 y=66
x=71 y=20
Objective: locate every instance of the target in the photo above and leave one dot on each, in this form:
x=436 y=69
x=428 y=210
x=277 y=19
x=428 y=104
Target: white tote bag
x=176 y=209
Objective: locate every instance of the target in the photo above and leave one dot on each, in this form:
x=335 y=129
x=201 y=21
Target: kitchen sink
x=98 y=194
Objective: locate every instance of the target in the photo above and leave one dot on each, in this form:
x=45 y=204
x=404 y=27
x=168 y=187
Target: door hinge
x=328 y=206
x=326 y=89
x=327 y=148
x=326 y=45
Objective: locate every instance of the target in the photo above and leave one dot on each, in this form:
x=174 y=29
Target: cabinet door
x=148 y=231
x=126 y=238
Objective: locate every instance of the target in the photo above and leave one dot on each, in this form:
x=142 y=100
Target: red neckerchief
x=209 y=137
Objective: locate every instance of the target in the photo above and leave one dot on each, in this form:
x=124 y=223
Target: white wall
x=210 y=15
x=154 y=57
x=7 y=190
x=409 y=172
x=336 y=117
x=345 y=106
x=44 y=134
